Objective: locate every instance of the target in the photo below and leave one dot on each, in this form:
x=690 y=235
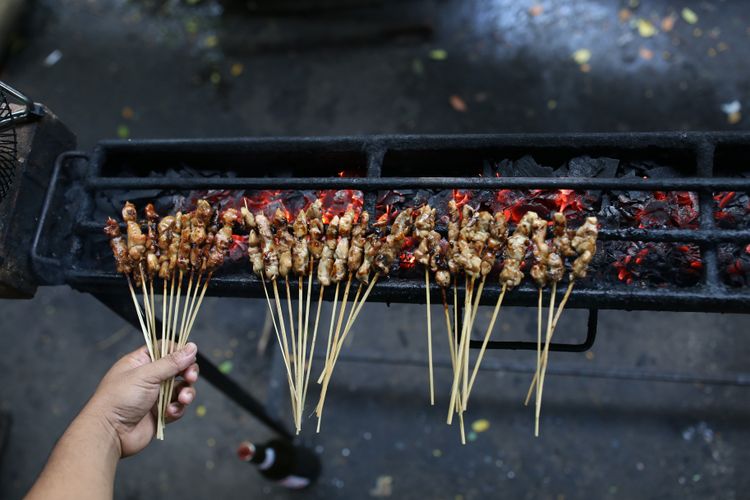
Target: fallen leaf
x=585 y=68
x=211 y=41
x=689 y=16
x=123 y=132
x=383 y=487
x=200 y=410
x=646 y=54
x=236 y=69
x=437 y=453
x=438 y=55
x=226 y=367
x=646 y=28
x=551 y=104
x=734 y=118
x=536 y=10
x=582 y=56
x=458 y=104
x=480 y=425
x=624 y=15
x=127 y=113
x=667 y=24
x=215 y=78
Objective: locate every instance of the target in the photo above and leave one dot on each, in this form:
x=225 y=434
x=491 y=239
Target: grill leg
x=122 y=306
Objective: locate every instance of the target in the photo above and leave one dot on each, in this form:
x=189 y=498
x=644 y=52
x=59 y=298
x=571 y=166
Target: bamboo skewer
x=467 y=334
x=554 y=325
x=284 y=342
x=337 y=349
x=449 y=328
x=146 y=337
x=278 y=335
x=461 y=361
x=538 y=348
x=487 y=335
x=312 y=345
x=330 y=334
x=300 y=354
x=429 y=334
x=334 y=350
x=293 y=340
x=355 y=303
x=540 y=384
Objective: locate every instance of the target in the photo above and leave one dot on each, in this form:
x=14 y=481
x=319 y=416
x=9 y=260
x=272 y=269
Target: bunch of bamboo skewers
x=344 y=248
x=173 y=248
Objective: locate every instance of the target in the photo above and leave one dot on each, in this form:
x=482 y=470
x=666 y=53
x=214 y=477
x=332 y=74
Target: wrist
x=96 y=422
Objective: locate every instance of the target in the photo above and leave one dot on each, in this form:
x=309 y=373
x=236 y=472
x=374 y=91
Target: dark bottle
x=293 y=467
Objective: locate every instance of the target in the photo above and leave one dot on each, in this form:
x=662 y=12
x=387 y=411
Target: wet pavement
x=197 y=69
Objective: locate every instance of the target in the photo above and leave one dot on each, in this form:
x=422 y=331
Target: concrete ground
x=165 y=68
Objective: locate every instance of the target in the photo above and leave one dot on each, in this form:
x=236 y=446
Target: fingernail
x=190 y=349
x=189 y=397
x=174 y=408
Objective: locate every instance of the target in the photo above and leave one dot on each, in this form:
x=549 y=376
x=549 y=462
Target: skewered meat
x=424 y=222
x=248 y=218
x=515 y=251
x=391 y=248
x=541 y=252
x=164 y=239
x=300 y=251
x=371 y=250
x=558 y=250
x=439 y=263
x=454 y=221
x=316 y=229
x=357 y=246
x=584 y=243
x=561 y=239
x=340 y=259
x=325 y=266
x=498 y=235
x=270 y=257
x=119 y=247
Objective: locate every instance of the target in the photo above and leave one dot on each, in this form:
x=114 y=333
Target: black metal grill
x=312 y=163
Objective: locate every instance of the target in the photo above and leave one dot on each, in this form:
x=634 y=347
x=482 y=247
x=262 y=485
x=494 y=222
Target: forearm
x=82 y=464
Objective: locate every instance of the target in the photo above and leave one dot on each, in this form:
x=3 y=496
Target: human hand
x=125 y=401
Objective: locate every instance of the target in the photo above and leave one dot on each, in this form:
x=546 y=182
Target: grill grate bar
x=701 y=184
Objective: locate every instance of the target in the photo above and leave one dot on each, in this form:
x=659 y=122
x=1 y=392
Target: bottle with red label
x=293 y=467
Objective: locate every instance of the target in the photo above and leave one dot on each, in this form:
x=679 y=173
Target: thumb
x=170 y=365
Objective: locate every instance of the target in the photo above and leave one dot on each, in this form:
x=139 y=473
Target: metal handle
x=42 y=264
x=32 y=110
x=591 y=327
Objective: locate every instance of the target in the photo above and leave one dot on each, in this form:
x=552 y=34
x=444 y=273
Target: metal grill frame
x=709 y=295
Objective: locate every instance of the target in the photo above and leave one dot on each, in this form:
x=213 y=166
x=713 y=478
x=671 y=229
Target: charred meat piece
x=515 y=251
x=584 y=243
x=118 y=246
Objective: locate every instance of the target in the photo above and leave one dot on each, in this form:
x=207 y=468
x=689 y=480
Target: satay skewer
x=584 y=244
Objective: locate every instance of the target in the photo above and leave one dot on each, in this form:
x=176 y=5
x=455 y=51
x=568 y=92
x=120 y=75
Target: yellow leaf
x=480 y=425
x=582 y=56
x=645 y=28
x=200 y=411
x=689 y=16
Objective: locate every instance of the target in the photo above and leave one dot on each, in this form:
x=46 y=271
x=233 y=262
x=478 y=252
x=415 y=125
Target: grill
x=137 y=169
x=709 y=170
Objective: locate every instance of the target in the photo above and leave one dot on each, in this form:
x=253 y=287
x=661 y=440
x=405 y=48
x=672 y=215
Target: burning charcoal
x=650 y=264
x=732 y=210
x=734 y=264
